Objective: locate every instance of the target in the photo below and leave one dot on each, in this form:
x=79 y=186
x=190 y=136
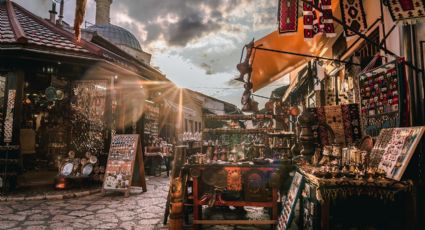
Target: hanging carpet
x=353 y=15
x=288 y=16
x=408 y=11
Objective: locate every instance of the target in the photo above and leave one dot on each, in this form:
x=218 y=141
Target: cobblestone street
x=114 y=211
x=139 y=211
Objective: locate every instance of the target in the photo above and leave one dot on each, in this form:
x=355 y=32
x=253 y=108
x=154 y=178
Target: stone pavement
x=113 y=211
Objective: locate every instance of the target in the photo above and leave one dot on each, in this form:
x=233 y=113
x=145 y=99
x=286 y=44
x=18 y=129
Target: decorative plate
x=60 y=95
x=51 y=93
x=87 y=169
x=67 y=169
x=71 y=154
x=93 y=159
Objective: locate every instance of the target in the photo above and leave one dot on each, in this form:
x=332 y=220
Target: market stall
x=61 y=100
x=239 y=166
x=358 y=187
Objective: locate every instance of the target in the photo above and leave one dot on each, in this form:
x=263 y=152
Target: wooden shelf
x=281 y=134
x=267 y=204
x=8 y=174
x=239 y=117
x=233 y=222
x=13 y=161
x=236 y=131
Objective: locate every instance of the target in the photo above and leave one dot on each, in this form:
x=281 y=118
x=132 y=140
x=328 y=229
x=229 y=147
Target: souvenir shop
x=61 y=101
x=61 y=124
x=54 y=116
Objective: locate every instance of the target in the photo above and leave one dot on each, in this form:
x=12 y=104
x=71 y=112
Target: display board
x=383 y=100
x=125 y=164
x=394 y=148
x=285 y=218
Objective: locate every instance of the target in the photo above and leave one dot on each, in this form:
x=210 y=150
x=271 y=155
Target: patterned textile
x=308 y=19
x=234 y=178
x=351 y=120
x=288 y=16
x=381 y=92
x=353 y=15
x=8 y=122
x=333 y=116
x=322 y=24
x=408 y=11
x=325 y=19
x=344 y=120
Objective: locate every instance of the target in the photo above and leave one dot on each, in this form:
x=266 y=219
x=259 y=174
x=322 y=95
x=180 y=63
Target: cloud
x=189 y=28
x=209 y=32
x=206 y=35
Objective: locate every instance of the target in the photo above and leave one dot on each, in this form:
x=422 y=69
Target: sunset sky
x=195 y=43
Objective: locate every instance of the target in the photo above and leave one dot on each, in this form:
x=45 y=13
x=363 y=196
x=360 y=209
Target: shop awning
x=269 y=66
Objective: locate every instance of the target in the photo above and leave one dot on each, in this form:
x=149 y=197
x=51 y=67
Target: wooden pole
x=174 y=206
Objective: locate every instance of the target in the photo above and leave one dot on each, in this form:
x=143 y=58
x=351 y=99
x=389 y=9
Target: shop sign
x=125 y=165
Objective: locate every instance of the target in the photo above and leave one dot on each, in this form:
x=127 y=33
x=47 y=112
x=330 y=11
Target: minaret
x=102 y=11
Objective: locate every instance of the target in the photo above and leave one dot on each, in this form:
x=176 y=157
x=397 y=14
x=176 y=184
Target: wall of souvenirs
x=151 y=113
x=88 y=104
x=383 y=98
x=234 y=142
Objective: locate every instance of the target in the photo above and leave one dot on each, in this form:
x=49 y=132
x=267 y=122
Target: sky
x=195 y=43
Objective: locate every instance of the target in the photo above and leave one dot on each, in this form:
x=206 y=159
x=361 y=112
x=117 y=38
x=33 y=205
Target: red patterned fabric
x=353 y=15
x=408 y=11
x=325 y=19
x=288 y=16
x=234 y=178
x=308 y=19
x=321 y=24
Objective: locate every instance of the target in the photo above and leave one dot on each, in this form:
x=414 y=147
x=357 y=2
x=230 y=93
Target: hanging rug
x=353 y=15
x=408 y=11
x=288 y=16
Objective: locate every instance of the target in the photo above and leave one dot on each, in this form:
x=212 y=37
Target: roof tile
x=6 y=33
x=41 y=34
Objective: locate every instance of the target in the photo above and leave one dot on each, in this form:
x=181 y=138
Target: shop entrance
x=45 y=127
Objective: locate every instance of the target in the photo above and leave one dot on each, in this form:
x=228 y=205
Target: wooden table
x=268 y=202
x=325 y=191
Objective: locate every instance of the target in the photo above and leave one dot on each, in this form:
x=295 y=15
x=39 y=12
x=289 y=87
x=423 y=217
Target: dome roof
x=116 y=35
